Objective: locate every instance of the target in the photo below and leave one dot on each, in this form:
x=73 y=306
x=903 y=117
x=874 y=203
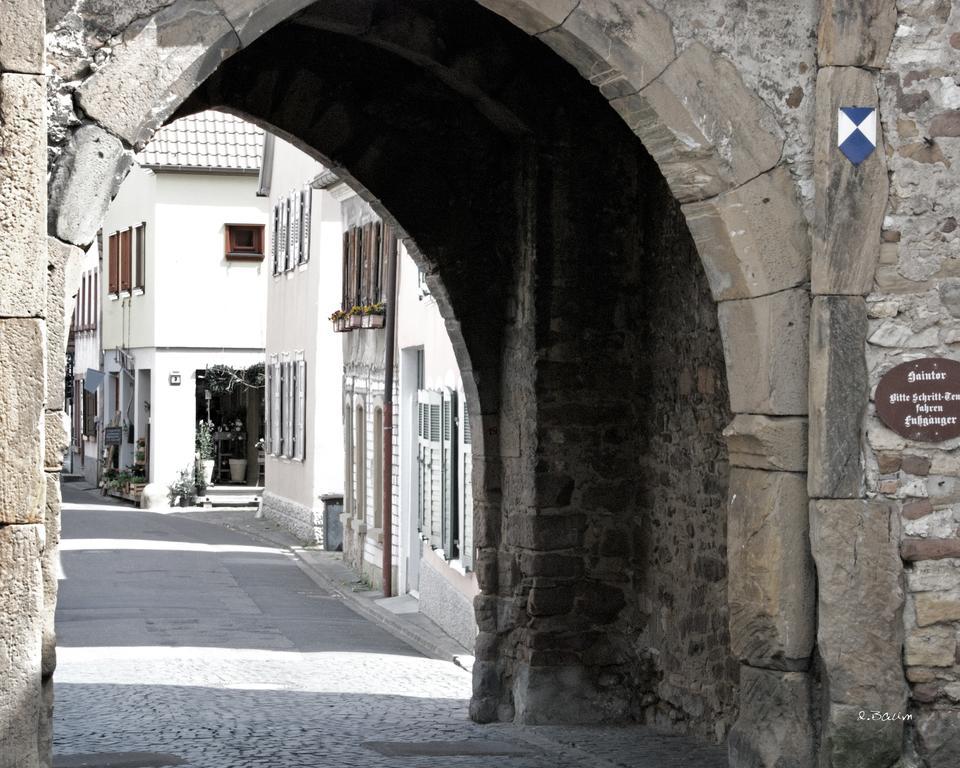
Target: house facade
x=431 y=503
x=83 y=355
x=183 y=290
x=304 y=360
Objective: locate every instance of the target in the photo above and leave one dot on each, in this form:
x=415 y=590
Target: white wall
x=298 y=304
x=203 y=300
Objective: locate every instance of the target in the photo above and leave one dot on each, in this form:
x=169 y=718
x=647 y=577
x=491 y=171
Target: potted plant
x=183 y=490
x=204 y=446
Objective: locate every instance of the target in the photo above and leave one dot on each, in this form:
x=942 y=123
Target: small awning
x=93 y=379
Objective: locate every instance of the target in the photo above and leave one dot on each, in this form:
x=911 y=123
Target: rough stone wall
x=680 y=407
x=883 y=524
x=912 y=311
x=303 y=522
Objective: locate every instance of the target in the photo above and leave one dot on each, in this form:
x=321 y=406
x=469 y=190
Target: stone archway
x=719 y=147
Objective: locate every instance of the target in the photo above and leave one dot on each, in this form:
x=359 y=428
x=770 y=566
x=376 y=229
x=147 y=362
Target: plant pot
x=208 y=470
x=356 y=321
x=238 y=470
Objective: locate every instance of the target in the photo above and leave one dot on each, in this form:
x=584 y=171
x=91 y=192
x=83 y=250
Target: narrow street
x=185 y=643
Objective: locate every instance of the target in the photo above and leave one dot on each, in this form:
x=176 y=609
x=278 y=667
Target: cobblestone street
x=184 y=643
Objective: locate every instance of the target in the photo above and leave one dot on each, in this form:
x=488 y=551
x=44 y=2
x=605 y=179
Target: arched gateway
x=557 y=166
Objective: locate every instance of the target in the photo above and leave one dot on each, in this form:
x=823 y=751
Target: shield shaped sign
x=857 y=132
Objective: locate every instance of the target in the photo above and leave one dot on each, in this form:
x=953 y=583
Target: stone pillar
x=854 y=540
x=23 y=606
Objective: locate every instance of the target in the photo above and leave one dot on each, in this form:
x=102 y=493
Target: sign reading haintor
x=920 y=400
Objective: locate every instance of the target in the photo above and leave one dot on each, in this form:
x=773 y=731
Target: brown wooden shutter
x=114 y=262
x=355 y=279
x=141 y=244
x=125 y=259
x=345 y=276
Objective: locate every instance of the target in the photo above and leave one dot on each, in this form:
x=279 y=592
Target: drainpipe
x=390 y=334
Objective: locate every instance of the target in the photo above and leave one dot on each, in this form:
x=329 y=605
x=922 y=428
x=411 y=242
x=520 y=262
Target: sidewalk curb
x=435 y=645
x=429 y=640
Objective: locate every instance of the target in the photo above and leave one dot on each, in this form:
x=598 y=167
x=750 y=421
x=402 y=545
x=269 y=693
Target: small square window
x=243 y=242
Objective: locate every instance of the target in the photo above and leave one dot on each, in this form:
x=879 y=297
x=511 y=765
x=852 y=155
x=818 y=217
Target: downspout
x=390 y=333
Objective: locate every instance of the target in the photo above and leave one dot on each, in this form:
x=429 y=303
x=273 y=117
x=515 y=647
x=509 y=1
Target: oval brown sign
x=921 y=399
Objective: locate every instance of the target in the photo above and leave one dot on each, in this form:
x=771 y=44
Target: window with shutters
x=363 y=261
x=243 y=242
x=140 y=248
x=441 y=481
x=290 y=231
x=306 y=205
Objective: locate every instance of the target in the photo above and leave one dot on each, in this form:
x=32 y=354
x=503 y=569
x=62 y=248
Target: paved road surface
x=184 y=643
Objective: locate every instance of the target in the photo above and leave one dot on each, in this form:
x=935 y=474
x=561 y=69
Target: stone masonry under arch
x=731 y=128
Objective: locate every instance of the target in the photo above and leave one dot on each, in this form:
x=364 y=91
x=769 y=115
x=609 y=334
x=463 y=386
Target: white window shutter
x=282 y=258
x=294 y=247
x=268 y=407
x=275 y=239
x=299 y=439
x=466 y=488
x=276 y=446
x=287 y=408
x=306 y=203
x=451 y=509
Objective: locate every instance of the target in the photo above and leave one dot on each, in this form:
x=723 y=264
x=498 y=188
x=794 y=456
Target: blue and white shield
x=857 y=132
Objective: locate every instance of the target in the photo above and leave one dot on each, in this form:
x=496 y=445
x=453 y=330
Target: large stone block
x=21 y=632
x=21 y=36
x=939 y=737
x=860 y=602
x=770 y=576
x=84 y=180
x=532 y=16
x=765 y=349
x=707 y=131
x=753 y=240
x=251 y=18
x=50 y=570
x=858 y=736
x=64 y=271
x=564 y=694
x=838 y=395
x=774 y=728
x=856 y=33
x=618 y=47
x=56 y=427
x=851 y=199
x=160 y=61
x=23 y=138
x=765 y=442
x=22 y=387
